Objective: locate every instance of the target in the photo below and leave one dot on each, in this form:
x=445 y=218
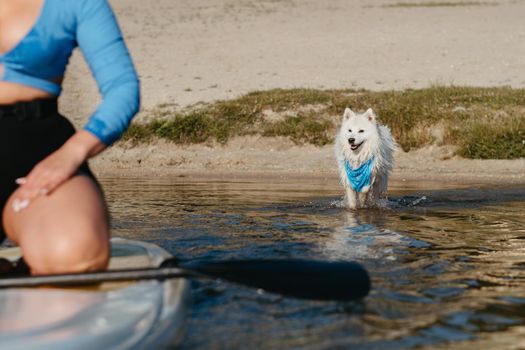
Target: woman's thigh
x=65 y=231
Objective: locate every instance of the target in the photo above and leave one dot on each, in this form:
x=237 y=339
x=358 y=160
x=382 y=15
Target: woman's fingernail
x=42 y=191
x=20 y=181
x=20 y=204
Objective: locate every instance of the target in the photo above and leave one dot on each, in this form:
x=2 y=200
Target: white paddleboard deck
x=137 y=315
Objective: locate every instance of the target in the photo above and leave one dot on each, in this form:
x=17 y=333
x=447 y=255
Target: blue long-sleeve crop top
x=41 y=57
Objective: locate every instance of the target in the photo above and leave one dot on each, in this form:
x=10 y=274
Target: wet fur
x=374 y=140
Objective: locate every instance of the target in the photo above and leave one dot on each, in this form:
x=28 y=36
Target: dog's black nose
x=351 y=141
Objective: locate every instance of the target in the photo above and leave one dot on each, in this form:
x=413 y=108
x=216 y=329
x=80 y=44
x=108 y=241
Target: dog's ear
x=370 y=115
x=348 y=113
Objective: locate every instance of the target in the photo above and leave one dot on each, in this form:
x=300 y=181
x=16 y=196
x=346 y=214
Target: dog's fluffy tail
x=384 y=157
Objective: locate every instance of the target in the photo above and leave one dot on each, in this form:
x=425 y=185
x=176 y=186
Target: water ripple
x=447 y=265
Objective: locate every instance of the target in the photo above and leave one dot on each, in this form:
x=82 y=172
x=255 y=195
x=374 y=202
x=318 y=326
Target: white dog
x=364 y=151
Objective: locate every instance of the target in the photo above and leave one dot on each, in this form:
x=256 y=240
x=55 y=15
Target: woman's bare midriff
x=11 y=93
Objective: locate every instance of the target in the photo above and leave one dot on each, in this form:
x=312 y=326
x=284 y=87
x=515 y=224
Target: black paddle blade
x=305 y=279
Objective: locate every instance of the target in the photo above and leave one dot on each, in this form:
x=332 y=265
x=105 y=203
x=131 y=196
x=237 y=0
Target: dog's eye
x=349 y=130
x=361 y=131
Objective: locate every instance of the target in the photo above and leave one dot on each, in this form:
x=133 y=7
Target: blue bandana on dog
x=361 y=176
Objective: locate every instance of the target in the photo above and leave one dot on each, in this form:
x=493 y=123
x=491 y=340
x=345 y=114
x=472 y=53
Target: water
x=448 y=264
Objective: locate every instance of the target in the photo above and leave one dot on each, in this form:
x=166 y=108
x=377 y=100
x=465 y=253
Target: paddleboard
x=123 y=315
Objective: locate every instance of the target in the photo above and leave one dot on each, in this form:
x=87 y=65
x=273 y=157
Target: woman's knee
x=66 y=252
x=65 y=232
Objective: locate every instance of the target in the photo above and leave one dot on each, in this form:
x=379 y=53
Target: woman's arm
x=100 y=39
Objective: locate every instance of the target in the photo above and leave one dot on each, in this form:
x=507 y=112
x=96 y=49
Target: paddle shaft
x=296 y=278
x=97 y=277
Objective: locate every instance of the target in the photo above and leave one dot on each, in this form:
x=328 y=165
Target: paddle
x=305 y=279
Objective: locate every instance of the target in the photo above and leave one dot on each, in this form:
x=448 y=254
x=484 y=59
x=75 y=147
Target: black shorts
x=29 y=131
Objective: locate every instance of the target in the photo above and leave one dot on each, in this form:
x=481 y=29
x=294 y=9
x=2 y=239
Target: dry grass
x=482 y=122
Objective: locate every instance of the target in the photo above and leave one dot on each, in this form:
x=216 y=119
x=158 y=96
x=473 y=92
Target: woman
x=52 y=205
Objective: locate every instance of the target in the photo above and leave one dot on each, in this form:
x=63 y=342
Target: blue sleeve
x=101 y=42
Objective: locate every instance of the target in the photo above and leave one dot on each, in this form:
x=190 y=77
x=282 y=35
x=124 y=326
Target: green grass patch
x=500 y=137
x=481 y=122
x=301 y=129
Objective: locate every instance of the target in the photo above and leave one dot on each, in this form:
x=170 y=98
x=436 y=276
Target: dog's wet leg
x=351 y=199
x=362 y=200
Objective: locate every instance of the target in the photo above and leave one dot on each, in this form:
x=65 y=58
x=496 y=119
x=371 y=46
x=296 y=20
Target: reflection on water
x=447 y=264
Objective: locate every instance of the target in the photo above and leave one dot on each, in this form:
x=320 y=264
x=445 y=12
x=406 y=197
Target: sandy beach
x=200 y=51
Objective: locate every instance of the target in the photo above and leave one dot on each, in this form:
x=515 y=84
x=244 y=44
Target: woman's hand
x=56 y=168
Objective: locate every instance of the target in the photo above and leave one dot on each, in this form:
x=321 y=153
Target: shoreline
x=247 y=158
x=397 y=180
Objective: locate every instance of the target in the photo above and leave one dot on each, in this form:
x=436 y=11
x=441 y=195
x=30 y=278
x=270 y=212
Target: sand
x=204 y=50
